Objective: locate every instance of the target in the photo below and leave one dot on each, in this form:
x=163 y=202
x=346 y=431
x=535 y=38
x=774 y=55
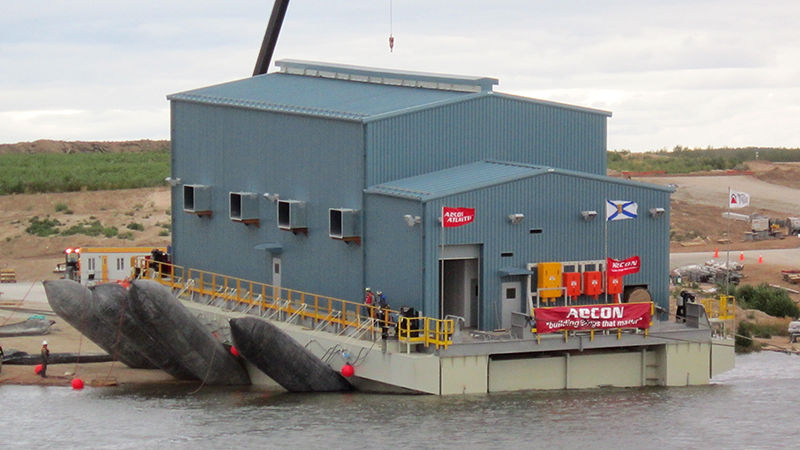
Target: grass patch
x=126 y=235
x=25 y=173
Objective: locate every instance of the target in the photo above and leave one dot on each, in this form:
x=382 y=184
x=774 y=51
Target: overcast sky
x=673 y=72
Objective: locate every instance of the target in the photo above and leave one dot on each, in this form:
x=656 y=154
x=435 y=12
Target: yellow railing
x=722 y=308
x=319 y=308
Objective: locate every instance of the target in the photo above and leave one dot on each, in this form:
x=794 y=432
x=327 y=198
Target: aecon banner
x=455 y=217
x=625 y=267
x=595 y=317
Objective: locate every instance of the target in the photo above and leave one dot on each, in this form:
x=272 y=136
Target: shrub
x=743 y=341
x=771 y=300
x=163 y=233
x=110 y=232
x=135 y=226
x=43 y=228
x=61 y=207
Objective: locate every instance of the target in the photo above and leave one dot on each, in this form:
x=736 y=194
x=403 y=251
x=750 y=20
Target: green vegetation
x=62 y=207
x=62 y=172
x=684 y=160
x=771 y=300
x=49 y=227
x=44 y=227
x=135 y=226
x=126 y=235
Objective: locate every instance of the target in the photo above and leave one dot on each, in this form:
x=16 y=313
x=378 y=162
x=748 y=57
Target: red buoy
x=234 y=352
x=77 y=383
x=347 y=370
x=38 y=369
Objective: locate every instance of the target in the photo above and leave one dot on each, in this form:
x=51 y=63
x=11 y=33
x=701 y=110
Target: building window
x=120 y=263
x=90 y=264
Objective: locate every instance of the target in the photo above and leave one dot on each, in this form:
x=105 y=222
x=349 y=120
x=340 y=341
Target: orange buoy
x=77 y=384
x=234 y=352
x=38 y=369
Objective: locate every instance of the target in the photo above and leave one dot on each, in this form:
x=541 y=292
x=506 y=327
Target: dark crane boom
x=271 y=37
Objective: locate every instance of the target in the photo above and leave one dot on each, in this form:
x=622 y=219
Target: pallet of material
x=8 y=276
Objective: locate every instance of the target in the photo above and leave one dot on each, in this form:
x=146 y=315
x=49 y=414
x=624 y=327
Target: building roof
x=328 y=93
x=347 y=92
x=479 y=175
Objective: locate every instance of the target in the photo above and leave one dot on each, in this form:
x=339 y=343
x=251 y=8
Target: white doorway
x=512 y=301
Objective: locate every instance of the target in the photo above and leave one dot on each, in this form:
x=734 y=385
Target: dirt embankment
x=48 y=146
x=35 y=258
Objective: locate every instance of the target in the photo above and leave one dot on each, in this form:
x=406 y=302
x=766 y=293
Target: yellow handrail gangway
x=290 y=302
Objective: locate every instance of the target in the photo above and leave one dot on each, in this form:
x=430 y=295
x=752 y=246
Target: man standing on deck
x=45 y=358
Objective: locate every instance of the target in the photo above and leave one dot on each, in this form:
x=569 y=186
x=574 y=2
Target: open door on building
x=459 y=287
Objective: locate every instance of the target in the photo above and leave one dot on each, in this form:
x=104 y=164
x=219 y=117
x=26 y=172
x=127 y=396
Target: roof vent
x=389 y=77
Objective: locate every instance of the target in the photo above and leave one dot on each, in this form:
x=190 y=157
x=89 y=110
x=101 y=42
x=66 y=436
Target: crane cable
x=391 y=35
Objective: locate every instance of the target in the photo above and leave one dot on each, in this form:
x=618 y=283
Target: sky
x=694 y=73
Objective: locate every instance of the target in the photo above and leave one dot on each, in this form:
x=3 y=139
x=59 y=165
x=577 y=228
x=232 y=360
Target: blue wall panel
x=318 y=161
x=488 y=127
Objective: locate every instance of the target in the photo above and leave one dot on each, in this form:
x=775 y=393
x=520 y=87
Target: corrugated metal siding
x=393 y=260
x=552 y=203
x=239 y=150
x=487 y=127
x=317 y=96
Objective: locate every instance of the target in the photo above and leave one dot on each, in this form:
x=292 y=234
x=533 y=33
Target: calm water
x=755 y=406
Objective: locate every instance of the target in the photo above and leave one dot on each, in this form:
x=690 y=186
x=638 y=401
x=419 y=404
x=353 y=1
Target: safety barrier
x=722 y=308
x=291 y=303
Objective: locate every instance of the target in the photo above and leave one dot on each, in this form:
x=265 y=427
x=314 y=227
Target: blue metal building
x=330 y=178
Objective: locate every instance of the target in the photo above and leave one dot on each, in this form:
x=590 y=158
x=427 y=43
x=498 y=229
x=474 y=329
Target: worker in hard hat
x=45 y=359
x=369 y=301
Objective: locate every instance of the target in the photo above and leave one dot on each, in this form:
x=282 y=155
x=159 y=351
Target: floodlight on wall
x=516 y=219
x=272 y=197
x=412 y=220
x=588 y=215
x=173 y=181
x=656 y=212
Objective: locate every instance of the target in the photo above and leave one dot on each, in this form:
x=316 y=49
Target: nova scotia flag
x=621 y=209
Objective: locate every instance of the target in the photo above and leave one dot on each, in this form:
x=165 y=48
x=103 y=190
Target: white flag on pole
x=739 y=199
x=621 y=209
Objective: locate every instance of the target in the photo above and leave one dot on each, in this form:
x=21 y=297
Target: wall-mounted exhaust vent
x=292 y=216
x=197 y=199
x=344 y=224
x=244 y=207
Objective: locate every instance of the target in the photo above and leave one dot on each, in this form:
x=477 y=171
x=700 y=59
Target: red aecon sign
x=455 y=217
x=624 y=267
x=623 y=315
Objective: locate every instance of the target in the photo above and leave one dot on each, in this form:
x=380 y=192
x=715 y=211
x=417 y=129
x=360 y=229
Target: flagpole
x=605 y=261
x=441 y=271
x=728 y=246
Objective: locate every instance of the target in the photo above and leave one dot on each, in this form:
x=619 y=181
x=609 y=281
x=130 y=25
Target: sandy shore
x=18 y=302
